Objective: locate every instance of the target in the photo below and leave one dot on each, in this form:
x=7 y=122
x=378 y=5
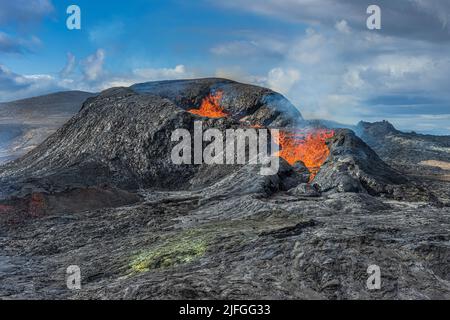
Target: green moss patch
x=181 y=249
x=190 y=245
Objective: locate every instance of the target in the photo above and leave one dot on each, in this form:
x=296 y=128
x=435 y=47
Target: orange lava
x=307 y=146
x=210 y=107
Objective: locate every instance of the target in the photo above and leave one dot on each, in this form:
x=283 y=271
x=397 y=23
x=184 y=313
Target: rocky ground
x=91 y=195
x=184 y=245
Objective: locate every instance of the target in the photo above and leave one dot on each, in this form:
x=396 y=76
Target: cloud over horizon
x=14 y=86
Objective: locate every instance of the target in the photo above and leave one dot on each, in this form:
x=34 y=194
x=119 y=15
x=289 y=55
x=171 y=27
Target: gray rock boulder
x=354 y=167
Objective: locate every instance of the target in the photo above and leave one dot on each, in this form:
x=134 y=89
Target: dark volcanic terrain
x=103 y=194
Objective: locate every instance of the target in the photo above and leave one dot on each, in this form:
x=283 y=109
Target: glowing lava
x=210 y=107
x=307 y=146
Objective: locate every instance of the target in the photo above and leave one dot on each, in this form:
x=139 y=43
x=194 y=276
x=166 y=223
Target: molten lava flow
x=210 y=107
x=309 y=147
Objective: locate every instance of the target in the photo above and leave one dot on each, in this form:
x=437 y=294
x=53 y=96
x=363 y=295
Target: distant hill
x=55 y=105
x=405 y=151
x=26 y=123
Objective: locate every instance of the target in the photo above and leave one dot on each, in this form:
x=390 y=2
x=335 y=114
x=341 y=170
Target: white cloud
x=15 y=86
x=282 y=80
x=69 y=68
x=309 y=49
x=352 y=79
x=343 y=27
x=178 y=72
x=334 y=107
x=92 y=66
x=399 y=66
x=279 y=79
x=398 y=73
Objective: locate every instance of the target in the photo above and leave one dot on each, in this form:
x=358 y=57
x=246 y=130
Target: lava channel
x=210 y=107
x=308 y=146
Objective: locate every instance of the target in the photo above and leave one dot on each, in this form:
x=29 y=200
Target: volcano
x=103 y=193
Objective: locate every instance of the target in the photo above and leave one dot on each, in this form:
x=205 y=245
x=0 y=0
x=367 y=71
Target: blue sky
x=318 y=53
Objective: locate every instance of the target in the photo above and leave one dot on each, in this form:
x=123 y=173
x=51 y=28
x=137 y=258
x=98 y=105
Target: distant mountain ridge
x=60 y=104
x=26 y=123
x=405 y=151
